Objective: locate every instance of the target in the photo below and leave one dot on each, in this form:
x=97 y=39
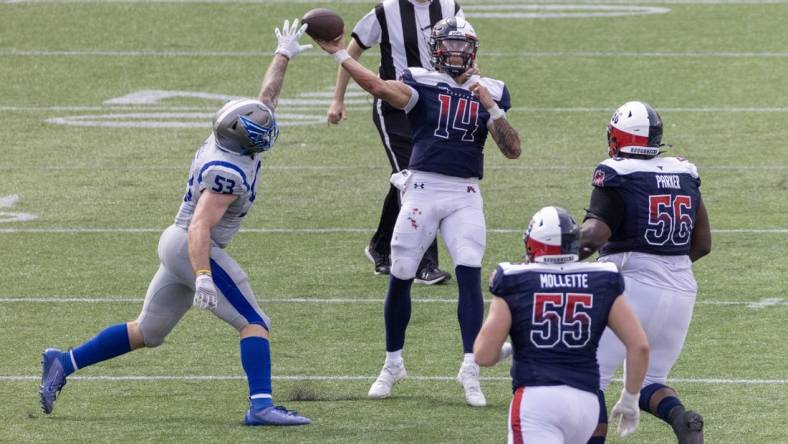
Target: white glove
x=627 y=409
x=288 y=39
x=205 y=292
x=506 y=352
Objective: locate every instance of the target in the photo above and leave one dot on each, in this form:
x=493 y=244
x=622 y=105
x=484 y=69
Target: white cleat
x=506 y=352
x=469 y=378
x=390 y=375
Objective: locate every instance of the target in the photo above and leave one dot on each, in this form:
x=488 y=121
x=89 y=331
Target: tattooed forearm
x=506 y=138
x=272 y=82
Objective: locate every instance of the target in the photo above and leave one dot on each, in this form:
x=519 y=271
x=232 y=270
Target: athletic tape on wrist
x=341 y=55
x=496 y=113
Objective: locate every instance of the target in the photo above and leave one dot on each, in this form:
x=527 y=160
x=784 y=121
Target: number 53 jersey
x=448 y=123
x=218 y=171
x=558 y=315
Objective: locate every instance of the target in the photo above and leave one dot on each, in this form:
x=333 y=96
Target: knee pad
x=404 y=268
x=151 y=335
x=469 y=254
x=405 y=256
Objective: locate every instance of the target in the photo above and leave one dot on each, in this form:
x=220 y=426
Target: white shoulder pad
x=494 y=87
x=572 y=267
x=683 y=165
x=428 y=76
x=624 y=166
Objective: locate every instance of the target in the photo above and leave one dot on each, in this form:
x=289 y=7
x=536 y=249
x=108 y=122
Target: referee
x=402 y=28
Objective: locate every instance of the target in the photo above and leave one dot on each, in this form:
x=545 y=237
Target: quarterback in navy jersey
x=194 y=268
x=646 y=215
x=555 y=309
x=451 y=110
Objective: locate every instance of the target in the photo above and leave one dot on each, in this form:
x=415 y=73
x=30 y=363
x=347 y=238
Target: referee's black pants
x=394 y=130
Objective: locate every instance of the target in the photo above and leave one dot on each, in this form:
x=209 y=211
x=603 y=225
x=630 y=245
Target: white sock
x=394 y=358
x=468 y=359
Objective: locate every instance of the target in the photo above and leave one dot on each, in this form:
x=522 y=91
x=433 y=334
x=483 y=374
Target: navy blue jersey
x=448 y=123
x=660 y=198
x=558 y=315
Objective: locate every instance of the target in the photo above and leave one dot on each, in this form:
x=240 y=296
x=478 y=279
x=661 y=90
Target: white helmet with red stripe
x=635 y=129
x=552 y=237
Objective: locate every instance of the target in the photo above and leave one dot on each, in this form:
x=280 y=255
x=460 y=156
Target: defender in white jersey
x=646 y=216
x=451 y=111
x=194 y=267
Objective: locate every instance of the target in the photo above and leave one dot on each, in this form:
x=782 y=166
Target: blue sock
x=470 y=308
x=396 y=312
x=111 y=342
x=665 y=405
x=256 y=361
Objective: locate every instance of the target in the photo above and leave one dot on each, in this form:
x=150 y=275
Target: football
x=324 y=24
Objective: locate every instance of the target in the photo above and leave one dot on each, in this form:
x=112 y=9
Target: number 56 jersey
x=558 y=315
x=218 y=171
x=657 y=201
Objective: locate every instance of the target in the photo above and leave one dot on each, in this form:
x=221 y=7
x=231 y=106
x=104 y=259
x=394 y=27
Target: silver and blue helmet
x=245 y=126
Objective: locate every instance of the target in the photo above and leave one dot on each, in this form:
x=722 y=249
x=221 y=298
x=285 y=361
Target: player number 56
x=669 y=219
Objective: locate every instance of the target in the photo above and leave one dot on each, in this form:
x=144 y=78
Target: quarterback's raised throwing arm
x=399 y=95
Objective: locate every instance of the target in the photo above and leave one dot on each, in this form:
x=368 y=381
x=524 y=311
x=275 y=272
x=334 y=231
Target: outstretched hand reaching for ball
x=288 y=39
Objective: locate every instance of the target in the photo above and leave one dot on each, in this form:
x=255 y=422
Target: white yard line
x=373 y=167
x=311 y=104
x=468 y=2
x=12 y=52
x=104 y=378
x=763 y=303
x=68 y=230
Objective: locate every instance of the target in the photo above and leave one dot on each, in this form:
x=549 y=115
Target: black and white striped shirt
x=402 y=28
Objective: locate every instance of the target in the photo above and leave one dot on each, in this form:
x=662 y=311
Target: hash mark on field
x=766 y=302
x=100 y=378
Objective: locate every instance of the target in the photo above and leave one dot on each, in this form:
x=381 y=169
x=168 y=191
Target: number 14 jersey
x=448 y=124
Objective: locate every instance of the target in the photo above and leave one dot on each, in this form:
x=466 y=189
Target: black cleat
x=687 y=425
x=382 y=262
x=432 y=276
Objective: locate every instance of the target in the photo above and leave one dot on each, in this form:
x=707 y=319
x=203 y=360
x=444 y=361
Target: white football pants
x=171 y=291
x=665 y=316
x=556 y=414
x=432 y=202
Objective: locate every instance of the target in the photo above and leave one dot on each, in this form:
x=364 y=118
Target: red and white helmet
x=552 y=237
x=634 y=129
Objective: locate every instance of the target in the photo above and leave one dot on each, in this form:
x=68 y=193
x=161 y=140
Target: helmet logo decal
x=258 y=134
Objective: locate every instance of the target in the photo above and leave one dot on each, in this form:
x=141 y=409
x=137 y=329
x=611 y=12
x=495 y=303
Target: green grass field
x=82 y=206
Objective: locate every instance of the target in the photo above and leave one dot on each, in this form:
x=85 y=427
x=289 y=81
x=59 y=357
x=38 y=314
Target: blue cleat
x=53 y=378
x=275 y=415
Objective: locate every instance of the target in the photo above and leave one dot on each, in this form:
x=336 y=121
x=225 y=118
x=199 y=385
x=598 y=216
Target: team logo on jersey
x=260 y=136
x=599 y=178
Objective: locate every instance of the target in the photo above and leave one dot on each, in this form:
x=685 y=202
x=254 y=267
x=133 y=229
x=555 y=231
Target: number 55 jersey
x=448 y=122
x=558 y=315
